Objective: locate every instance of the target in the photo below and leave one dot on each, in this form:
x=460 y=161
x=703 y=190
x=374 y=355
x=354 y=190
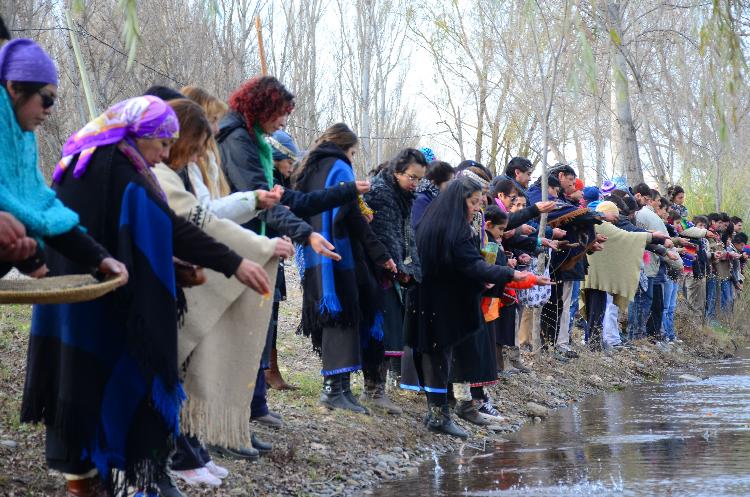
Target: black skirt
x=393 y=321
x=341 y=350
x=474 y=359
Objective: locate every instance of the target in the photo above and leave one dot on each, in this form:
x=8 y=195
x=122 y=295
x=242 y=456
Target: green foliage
x=615 y=37
x=130 y=29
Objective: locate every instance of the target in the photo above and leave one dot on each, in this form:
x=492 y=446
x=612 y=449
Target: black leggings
x=190 y=454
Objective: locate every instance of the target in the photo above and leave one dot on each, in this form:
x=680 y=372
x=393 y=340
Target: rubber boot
x=504 y=368
x=273 y=375
x=514 y=354
x=467 y=410
x=440 y=421
x=331 y=396
x=374 y=397
x=346 y=391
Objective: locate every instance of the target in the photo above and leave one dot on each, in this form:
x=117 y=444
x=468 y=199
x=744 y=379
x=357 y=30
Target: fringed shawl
x=104 y=373
x=330 y=294
x=222 y=337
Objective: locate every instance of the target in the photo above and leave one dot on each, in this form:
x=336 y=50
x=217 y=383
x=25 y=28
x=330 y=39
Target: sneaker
x=216 y=470
x=486 y=408
x=200 y=476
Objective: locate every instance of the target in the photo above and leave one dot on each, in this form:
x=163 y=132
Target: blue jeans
x=574 y=302
x=639 y=311
x=671 y=289
x=727 y=296
x=712 y=290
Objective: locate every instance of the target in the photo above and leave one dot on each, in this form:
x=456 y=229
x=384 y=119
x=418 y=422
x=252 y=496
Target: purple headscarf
x=23 y=60
x=139 y=117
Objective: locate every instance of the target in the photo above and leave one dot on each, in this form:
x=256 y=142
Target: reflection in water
x=670 y=439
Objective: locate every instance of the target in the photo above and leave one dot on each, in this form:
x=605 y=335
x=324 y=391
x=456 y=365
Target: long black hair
x=445 y=222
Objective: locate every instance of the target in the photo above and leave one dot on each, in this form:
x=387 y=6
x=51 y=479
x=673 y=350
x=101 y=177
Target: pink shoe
x=200 y=476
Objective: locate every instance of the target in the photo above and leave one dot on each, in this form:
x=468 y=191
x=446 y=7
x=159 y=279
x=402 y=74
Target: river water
x=675 y=438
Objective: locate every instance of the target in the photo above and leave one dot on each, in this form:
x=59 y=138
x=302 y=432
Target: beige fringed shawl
x=225 y=329
x=616 y=269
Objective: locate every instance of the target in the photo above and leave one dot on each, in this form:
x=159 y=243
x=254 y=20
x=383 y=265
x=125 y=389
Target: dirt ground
x=322 y=453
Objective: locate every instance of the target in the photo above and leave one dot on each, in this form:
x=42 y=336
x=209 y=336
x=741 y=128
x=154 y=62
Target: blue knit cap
x=429 y=155
x=284 y=148
x=591 y=194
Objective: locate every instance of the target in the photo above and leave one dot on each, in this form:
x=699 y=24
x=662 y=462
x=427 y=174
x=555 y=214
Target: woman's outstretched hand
x=254 y=276
x=284 y=248
x=323 y=247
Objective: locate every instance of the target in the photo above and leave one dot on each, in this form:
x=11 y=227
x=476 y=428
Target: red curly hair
x=261 y=99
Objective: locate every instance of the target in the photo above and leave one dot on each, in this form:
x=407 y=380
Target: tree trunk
x=579 y=155
x=624 y=142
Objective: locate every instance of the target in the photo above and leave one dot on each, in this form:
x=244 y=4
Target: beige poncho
x=224 y=331
x=616 y=269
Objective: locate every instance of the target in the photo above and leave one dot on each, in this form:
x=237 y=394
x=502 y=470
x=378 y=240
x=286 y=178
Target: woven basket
x=56 y=289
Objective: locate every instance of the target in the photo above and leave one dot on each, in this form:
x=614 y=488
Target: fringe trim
x=215 y=423
x=376 y=330
x=330 y=306
x=567 y=217
x=168 y=403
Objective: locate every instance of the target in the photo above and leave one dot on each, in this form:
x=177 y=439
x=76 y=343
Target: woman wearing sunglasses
x=29 y=87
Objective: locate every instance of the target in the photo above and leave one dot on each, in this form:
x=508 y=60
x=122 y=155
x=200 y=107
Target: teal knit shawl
x=23 y=191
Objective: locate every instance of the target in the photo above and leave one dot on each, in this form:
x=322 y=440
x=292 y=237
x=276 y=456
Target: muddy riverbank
x=319 y=452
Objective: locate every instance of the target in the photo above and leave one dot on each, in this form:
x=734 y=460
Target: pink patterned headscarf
x=139 y=117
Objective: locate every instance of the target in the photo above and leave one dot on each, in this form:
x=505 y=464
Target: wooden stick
x=261 y=50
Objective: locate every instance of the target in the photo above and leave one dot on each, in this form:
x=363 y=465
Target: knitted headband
x=475 y=178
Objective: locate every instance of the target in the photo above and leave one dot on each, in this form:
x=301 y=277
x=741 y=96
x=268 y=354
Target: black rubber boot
x=333 y=396
x=346 y=391
x=440 y=421
x=467 y=410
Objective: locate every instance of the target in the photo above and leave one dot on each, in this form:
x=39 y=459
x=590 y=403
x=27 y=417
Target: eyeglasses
x=411 y=178
x=47 y=100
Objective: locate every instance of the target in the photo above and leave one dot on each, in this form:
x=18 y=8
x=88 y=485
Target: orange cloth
x=491 y=305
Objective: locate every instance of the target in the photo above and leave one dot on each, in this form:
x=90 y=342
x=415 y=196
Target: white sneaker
x=216 y=470
x=200 y=476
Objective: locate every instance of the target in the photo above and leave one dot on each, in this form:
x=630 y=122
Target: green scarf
x=265 y=154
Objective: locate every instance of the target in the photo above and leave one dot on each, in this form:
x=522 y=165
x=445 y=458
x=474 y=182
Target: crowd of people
x=435 y=276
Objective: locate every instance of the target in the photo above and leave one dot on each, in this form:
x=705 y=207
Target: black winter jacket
x=241 y=163
x=447 y=304
x=392 y=222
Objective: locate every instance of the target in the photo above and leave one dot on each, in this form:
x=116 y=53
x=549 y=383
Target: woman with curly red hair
x=257 y=109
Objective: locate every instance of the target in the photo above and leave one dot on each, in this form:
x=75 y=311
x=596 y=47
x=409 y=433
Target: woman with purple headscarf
x=103 y=375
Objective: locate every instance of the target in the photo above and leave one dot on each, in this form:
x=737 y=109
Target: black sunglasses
x=47 y=100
